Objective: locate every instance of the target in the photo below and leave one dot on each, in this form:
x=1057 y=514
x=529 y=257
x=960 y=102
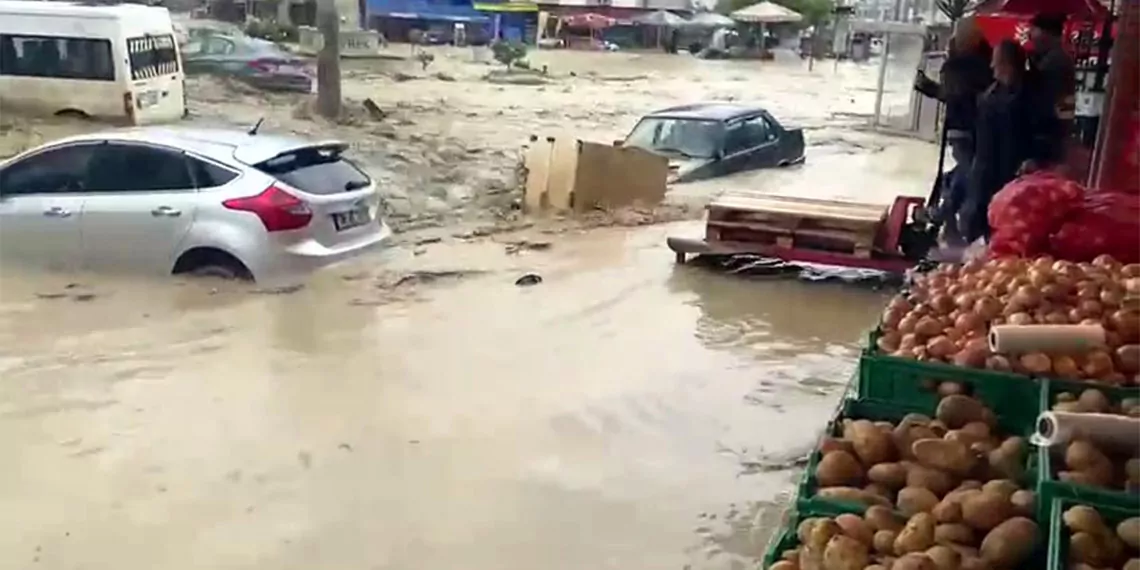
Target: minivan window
x=56 y=56
x=57 y=170
x=152 y=56
x=316 y=171
x=139 y=168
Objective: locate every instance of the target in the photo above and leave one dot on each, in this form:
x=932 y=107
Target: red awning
x=589 y=21
x=1079 y=9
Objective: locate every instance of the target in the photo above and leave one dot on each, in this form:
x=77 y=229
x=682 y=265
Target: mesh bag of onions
x=1108 y=223
x=1026 y=212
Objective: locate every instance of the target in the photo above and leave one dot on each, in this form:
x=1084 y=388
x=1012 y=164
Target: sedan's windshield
x=688 y=137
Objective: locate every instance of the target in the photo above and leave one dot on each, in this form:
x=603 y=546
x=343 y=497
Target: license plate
x=351 y=219
x=147 y=99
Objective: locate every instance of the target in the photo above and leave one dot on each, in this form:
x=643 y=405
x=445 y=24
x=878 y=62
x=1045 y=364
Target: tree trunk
x=328 y=60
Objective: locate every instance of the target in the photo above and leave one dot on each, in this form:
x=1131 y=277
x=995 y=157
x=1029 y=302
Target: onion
x=1054 y=292
x=1131 y=270
x=999 y=363
x=942 y=303
x=1066 y=367
x=1127 y=324
x=1111 y=298
x=1026 y=296
x=1036 y=363
x=1089 y=308
x=940 y=347
x=1128 y=359
x=1039 y=278
x=899 y=303
x=1056 y=318
x=966 y=301
x=1021 y=319
x=968 y=321
x=1098 y=364
x=908 y=342
x=928 y=327
x=988 y=307
x=889 y=341
x=1105 y=261
x=906 y=324
x=891 y=318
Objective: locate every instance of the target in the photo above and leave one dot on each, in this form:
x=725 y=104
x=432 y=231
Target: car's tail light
x=262 y=65
x=278 y=210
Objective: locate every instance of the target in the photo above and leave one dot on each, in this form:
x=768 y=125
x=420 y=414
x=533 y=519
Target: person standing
x=1015 y=124
x=1053 y=70
x=964 y=76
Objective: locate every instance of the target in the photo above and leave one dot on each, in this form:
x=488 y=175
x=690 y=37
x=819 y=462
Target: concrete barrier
x=353 y=43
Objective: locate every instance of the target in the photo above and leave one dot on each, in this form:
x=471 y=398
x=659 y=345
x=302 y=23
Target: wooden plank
x=859 y=238
x=804 y=207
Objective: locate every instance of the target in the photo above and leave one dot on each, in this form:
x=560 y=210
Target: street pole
x=328 y=60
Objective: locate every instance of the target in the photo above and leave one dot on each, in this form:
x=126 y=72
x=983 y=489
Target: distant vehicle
x=187 y=30
x=166 y=200
x=116 y=62
x=260 y=63
x=706 y=140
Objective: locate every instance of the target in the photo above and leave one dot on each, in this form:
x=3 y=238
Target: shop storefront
x=439 y=21
x=515 y=21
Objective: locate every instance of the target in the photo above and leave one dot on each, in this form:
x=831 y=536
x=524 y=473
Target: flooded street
x=606 y=418
x=417 y=408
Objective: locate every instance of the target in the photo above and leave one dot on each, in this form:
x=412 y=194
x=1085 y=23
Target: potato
x=882 y=518
x=855 y=527
x=947 y=511
x=877 y=489
x=939 y=482
x=944 y=557
x=876 y=567
x=973 y=563
x=1085 y=548
x=914 y=561
x=1008 y=460
x=784 y=565
x=984 y=511
x=951 y=456
x=829 y=444
x=1010 y=543
x=953 y=533
x=884 y=541
x=820 y=533
x=917 y=535
x=872 y=446
x=845 y=553
x=791 y=555
x=1084 y=456
x=1024 y=503
x=1083 y=518
x=1129 y=531
x=889 y=475
x=957 y=410
x=837 y=469
x=1132 y=564
x=913 y=500
x=852 y=495
x=1003 y=487
x=1093 y=400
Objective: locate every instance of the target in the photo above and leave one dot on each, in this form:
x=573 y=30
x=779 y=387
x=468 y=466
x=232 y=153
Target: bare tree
x=328 y=60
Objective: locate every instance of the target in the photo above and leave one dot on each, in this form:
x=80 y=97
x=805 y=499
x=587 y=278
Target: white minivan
x=118 y=62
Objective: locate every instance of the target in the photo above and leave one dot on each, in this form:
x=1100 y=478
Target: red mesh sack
x=1107 y=223
x=1025 y=212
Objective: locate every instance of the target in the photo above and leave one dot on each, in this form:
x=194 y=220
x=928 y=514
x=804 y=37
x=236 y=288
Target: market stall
x=760 y=16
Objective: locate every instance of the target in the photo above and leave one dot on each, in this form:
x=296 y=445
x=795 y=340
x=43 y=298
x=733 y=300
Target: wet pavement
x=624 y=413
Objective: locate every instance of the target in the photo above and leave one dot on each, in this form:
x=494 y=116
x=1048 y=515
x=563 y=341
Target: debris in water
x=374 y=110
x=84 y=297
x=528 y=280
x=282 y=290
x=50 y=295
x=513 y=247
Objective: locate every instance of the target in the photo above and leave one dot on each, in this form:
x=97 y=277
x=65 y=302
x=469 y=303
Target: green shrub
x=510 y=54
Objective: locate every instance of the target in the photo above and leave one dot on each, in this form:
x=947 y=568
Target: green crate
x=1050 y=388
x=875 y=410
x=1012 y=397
x=1058 y=535
x=1050 y=489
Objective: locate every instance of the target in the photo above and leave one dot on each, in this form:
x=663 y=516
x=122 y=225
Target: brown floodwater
x=624 y=413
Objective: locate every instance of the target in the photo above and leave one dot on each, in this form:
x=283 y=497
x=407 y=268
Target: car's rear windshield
x=316 y=171
x=152 y=56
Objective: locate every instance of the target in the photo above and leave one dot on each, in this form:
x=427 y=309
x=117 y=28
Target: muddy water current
x=624 y=413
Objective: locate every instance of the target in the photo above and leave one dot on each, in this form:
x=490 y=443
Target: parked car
x=714 y=139
x=172 y=200
x=260 y=63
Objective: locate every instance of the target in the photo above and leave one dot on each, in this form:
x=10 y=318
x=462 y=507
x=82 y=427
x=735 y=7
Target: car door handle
x=166 y=211
x=57 y=212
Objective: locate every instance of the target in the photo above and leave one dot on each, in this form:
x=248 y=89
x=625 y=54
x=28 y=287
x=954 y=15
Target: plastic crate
x=1012 y=397
x=1058 y=534
x=1051 y=388
x=1050 y=489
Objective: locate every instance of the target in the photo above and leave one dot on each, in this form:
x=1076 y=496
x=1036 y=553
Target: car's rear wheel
x=212 y=263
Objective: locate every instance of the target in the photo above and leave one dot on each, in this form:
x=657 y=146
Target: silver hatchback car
x=222 y=203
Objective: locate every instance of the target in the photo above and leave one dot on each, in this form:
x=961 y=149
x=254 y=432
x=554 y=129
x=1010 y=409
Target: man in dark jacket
x=964 y=76
x=1053 y=70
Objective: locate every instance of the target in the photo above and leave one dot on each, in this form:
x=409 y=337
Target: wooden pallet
x=796 y=223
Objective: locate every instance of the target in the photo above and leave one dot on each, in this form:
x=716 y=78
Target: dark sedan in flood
x=260 y=63
x=714 y=139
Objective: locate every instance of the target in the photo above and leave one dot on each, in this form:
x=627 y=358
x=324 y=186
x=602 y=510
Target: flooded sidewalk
x=624 y=413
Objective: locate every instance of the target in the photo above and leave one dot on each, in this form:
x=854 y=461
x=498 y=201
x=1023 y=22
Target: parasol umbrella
x=766 y=13
x=710 y=20
x=660 y=18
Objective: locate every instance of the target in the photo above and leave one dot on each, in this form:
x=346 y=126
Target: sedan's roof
x=220 y=144
x=707 y=111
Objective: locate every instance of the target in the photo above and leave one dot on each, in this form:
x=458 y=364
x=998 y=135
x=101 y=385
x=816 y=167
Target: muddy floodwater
x=419 y=410
x=624 y=413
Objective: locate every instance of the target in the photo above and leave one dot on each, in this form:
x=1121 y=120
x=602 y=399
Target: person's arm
x=928 y=87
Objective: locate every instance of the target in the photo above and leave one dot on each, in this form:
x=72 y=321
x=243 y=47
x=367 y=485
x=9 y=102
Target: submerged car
x=714 y=139
x=163 y=200
x=260 y=63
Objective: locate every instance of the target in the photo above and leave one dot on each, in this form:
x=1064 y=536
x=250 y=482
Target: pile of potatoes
x=879 y=540
x=1085 y=463
x=951 y=476
x=1094 y=545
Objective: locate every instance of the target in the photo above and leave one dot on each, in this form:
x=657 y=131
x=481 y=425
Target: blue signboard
x=440 y=10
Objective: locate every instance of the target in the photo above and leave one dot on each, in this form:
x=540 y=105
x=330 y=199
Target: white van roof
x=83 y=10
